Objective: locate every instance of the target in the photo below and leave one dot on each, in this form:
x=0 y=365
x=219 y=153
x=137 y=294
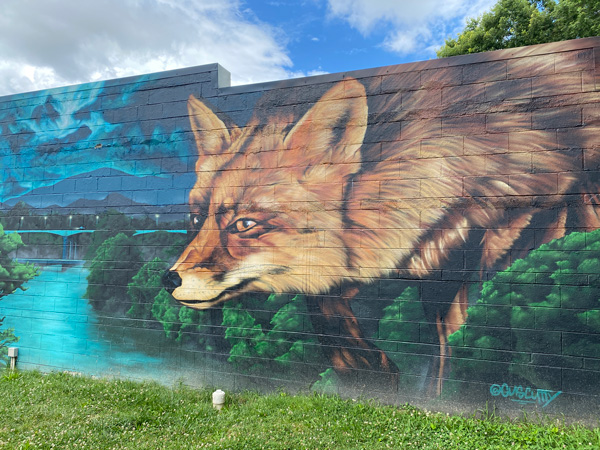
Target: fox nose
x=171 y=280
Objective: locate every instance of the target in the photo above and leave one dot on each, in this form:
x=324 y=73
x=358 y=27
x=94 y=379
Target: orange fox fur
x=294 y=207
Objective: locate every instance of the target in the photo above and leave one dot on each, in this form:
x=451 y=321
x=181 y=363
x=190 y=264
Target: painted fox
x=319 y=205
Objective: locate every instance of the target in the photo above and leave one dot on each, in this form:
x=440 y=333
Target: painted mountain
x=103 y=189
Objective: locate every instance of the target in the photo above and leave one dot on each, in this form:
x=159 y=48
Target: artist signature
x=523 y=395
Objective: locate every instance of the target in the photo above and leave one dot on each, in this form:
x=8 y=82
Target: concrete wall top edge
x=474 y=58
x=220 y=77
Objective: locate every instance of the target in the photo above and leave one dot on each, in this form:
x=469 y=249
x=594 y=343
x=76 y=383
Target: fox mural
x=425 y=233
x=315 y=205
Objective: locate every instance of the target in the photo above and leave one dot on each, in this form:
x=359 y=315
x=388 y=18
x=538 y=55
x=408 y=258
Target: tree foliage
x=110 y=223
x=115 y=263
x=400 y=334
x=535 y=318
x=151 y=303
x=13 y=275
x=7 y=338
x=196 y=329
x=166 y=311
x=515 y=23
x=286 y=338
x=144 y=287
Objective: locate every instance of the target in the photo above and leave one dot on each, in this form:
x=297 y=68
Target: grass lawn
x=70 y=412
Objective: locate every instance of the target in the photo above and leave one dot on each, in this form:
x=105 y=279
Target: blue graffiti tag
x=524 y=395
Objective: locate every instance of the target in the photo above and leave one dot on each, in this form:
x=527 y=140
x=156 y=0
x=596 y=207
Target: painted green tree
x=115 y=263
x=287 y=338
x=243 y=334
x=195 y=329
x=515 y=23
x=538 y=322
x=154 y=307
x=13 y=276
x=109 y=224
x=401 y=330
x=166 y=311
x=143 y=289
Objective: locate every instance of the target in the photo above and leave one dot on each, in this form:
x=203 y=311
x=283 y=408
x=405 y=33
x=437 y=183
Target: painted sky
x=54 y=134
x=49 y=43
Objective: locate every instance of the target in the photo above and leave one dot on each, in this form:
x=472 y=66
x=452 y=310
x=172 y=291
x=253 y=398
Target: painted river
x=58 y=330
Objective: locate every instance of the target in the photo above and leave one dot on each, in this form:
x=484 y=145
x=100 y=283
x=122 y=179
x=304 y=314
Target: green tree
x=115 y=263
x=162 y=244
x=285 y=339
x=578 y=18
x=290 y=338
x=515 y=23
x=166 y=311
x=13 y=275
x=110 y=223
x=184 y=325
x=243 y=333
x=535 y=319
x=400 y=332
x=143 y=289
x=195 y=329
x=7 y=338
x=156 y=307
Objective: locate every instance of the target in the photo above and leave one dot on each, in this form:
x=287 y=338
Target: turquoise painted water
x=59 y=330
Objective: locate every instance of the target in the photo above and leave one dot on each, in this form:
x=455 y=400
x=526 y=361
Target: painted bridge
x=69 y=250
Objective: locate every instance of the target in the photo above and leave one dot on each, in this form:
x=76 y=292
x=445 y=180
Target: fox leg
x=446 y=324
x=343 y=342
x=445 y=303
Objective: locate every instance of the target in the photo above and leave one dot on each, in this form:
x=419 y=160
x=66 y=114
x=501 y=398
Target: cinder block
x=558 y=84
x=468 y=93
x=505 y=122
x=400 y=82
x=574 y=61
x=438 y=78
x=530 y=66
x=464 y=125
x=508 y=90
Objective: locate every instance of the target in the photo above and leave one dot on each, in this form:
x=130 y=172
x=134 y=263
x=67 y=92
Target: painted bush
x=542 y=309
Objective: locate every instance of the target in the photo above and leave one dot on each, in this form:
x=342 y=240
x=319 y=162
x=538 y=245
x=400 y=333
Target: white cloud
x=411 y=26
x=47 y=43
x=314 y=73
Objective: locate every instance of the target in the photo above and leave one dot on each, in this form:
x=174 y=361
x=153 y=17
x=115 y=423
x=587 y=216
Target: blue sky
x=49 y=43
x=340 y=35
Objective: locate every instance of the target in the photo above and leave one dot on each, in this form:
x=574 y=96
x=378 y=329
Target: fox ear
x=213 y=137
x=330 y=134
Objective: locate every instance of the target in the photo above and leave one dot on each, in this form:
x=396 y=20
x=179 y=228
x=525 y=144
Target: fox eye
x=243 y=225
x=197 y=221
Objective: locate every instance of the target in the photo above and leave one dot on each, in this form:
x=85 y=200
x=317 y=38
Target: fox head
x=266 y=209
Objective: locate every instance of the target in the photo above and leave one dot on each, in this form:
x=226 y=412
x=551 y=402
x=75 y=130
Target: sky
x=51 y=43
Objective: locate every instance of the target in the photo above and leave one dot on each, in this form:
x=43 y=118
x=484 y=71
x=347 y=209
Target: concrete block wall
x=425 y=232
